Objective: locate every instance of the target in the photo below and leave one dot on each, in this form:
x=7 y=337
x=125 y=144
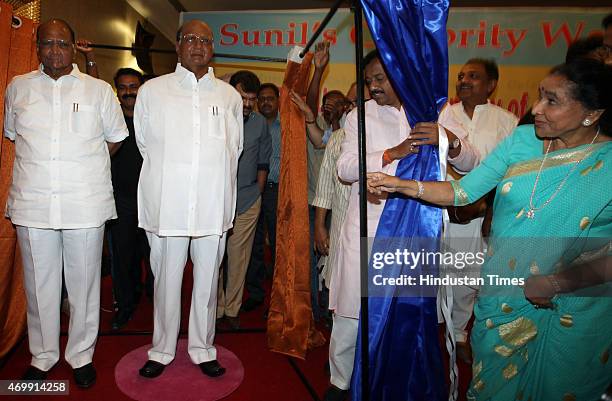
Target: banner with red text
x=525 y=42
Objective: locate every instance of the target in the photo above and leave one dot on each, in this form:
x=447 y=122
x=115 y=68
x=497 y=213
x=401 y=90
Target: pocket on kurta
x=216 y=122
x=84 y=121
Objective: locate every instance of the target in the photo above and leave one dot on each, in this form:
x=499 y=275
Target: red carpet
x=266 y=375
x=181 y=380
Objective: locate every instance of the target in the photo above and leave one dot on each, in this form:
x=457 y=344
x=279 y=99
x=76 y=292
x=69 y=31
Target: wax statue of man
x=189 y=129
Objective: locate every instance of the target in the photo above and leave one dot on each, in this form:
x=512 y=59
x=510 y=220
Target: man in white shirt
x=479 y=126
x=388 y=139
x=189 y=129
x=64 y=123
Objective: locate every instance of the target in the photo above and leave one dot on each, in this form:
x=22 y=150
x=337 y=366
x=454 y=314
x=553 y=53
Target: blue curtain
x=405 y=361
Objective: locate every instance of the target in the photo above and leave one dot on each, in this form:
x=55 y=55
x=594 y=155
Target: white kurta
x=190 y=135
x=61 y=174
x=60 y=197
x=386 y=127
x=479 y=135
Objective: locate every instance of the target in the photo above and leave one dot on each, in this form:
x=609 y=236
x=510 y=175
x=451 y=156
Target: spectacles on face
x=49 y=43
x=192 y=39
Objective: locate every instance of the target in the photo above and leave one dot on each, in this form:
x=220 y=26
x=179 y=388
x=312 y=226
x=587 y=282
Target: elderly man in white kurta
x=479 y=125
x=61 y=195
x=189 y=129
x=387 y=131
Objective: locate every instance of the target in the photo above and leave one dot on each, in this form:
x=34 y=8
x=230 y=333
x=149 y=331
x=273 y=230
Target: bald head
x=57 y=24
x=188 y=24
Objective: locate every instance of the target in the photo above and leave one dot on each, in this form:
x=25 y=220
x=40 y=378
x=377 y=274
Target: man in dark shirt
x=268 y=105
x=253 y=167
x=128 y=242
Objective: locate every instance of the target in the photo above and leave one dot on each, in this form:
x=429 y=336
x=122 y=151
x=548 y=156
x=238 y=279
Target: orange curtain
x=17 y=56
x=291 y=328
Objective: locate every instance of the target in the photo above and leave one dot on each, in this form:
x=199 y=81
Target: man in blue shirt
x=268 y=104
x=253 y=167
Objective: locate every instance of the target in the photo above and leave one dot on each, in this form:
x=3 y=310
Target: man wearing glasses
x=189 y=129
x=64 y=124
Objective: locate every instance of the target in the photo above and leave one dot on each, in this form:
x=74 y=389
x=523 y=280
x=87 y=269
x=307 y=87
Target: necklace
x=532 y=209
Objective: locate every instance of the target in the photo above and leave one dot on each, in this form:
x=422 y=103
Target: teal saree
x=520 y=352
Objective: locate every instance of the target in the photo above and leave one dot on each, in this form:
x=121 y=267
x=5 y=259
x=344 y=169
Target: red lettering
x=291 y=41
x=465 y=34
x=227 y=34
x=451 y=36
x=367 y=44
x=304 y=33
x=247 y=42
x=330 y=35
x=268 y=37
x=550 y=39
x=495 y=36
x=482 y=41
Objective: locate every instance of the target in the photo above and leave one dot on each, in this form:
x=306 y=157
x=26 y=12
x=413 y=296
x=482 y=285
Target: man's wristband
x=310 y=122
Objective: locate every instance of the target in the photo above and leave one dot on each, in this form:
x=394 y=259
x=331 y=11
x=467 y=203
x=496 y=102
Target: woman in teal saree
x=551 y=232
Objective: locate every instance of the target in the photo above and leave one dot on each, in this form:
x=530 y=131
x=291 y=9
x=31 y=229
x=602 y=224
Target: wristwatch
x=454 y=144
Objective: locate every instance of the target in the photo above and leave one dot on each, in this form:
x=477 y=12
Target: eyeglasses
x=193 y=39
x=48 y=43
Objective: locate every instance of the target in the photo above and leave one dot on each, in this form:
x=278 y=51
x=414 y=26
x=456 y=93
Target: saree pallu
x=524 y=353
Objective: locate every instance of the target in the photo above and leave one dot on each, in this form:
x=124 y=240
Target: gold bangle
x=555 y=283
x=421 y=189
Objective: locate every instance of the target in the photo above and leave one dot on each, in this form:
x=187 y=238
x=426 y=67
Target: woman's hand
x=380 y=182
x=539 y=291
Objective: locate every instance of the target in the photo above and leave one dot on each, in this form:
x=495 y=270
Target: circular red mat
x=181 y=380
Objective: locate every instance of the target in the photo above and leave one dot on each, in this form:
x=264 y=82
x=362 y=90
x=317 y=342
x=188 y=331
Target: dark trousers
x=256 y=271
x=129 y=247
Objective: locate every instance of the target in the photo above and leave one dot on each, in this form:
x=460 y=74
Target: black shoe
x=333 y=393
x=121 y=318
x=33 y=373
x=212 y=368
x=250 y=304
x=151 y=369
x=85 y=376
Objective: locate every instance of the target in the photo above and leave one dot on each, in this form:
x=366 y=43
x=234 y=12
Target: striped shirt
x=274 y=128
x=332 y=194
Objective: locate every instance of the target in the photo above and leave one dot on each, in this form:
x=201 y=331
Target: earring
x=587 y=122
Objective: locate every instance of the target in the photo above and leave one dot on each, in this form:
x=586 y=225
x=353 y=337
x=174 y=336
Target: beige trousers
x=239 y=246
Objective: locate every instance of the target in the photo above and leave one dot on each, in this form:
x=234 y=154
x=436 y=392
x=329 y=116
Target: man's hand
x=425 y=133
x=403 y=149
x=83 y=46
x=321 y=239
x=301 y=104
x=321 y=55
